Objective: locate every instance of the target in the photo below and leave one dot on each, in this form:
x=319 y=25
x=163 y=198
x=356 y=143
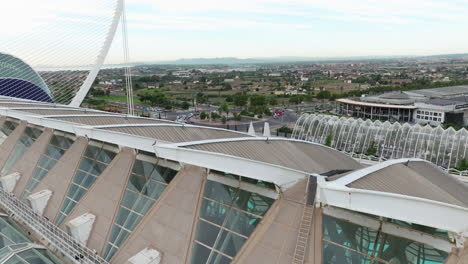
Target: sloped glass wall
x=30 y=135
x=57 y=146
x=228 y=216
x=7 y=128
x=145 y=185
x=93 y=162
x=443 y=147
x=345 y=242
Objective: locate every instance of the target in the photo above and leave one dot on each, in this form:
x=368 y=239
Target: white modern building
x=95 y=187
x=427 y=106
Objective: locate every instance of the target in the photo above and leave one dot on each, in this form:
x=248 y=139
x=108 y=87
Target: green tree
x=463 y=165
x=224 y=108
x=273 y=101
x=328 y=140
x=323 y=94
x=238 y=117
x=372 y=150
x=258 y=100
x=296 y=99
x=223 y=119
x=227 y=87
x=240 y=99
x=185 y=105
x=214 y=115
x=203 y=115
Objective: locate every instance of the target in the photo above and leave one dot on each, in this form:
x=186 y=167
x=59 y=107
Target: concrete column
x=2 y=120
x=27 y=163
x=274 y=239
x=103 y=198
x=169 y=225
x=60 y=176
x=458 y=256
x=9 y=144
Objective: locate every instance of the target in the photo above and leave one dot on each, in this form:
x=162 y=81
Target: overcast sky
x=172 y=29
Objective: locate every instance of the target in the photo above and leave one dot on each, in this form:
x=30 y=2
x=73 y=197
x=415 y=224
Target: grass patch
x=118 y=98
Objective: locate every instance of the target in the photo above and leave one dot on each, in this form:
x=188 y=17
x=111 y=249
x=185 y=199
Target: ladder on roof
x=306 y=222
x=303 y=236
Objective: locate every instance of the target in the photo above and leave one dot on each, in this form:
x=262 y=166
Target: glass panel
x=4 y=251
x=220 y=192
x=14 y=260
x=10 y=231
x=333 y=254
x=32 y=256
x=346 y=242
x=163 y=174
x=207 y=233
x=347 y=234
x=200 y=253
x=217 y=258
x=53 y=153
x=141 y=192
x=8 y=127
x=122 y=216
x=105 y=156
x=253 y=203
x=213 y=211
x=24 y=142
x=400 y=250
x=110 y=251
x=242 y=223
x=229 y=243
x=233 y=209
x=92 y=164
x=424 y=229
x=91 y=152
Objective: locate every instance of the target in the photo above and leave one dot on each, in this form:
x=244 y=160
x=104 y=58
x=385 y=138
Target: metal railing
x=60 y=240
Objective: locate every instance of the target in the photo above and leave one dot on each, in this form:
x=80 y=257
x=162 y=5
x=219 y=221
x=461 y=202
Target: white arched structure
x=65 y=44
x=446 y=148
x=84 y=89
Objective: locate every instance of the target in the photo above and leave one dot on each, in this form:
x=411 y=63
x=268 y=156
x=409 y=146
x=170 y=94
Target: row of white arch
x=444 y=147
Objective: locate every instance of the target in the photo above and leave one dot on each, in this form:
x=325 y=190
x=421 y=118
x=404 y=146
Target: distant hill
x=289 y=59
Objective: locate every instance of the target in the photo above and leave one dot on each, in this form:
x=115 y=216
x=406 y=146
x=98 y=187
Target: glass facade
x=30 y=135
x=444 y=147
x=228 y=216
x=15 y=246
x=6 y=130
x=424 y=229
x=10 y=234
x=93 y=162
x=32 y=256
x=145 y=185
x=348 y=243
x=57 y=146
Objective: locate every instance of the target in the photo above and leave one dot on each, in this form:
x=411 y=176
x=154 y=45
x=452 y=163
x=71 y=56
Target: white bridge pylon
x=86 y=86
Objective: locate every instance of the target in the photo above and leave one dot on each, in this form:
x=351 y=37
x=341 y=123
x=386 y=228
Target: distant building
x=279 y=92
x=182 y=74
x=427 y=106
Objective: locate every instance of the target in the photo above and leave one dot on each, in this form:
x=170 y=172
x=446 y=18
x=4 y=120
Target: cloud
x=199 y=23
x=29 y=15
x=389 y=11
